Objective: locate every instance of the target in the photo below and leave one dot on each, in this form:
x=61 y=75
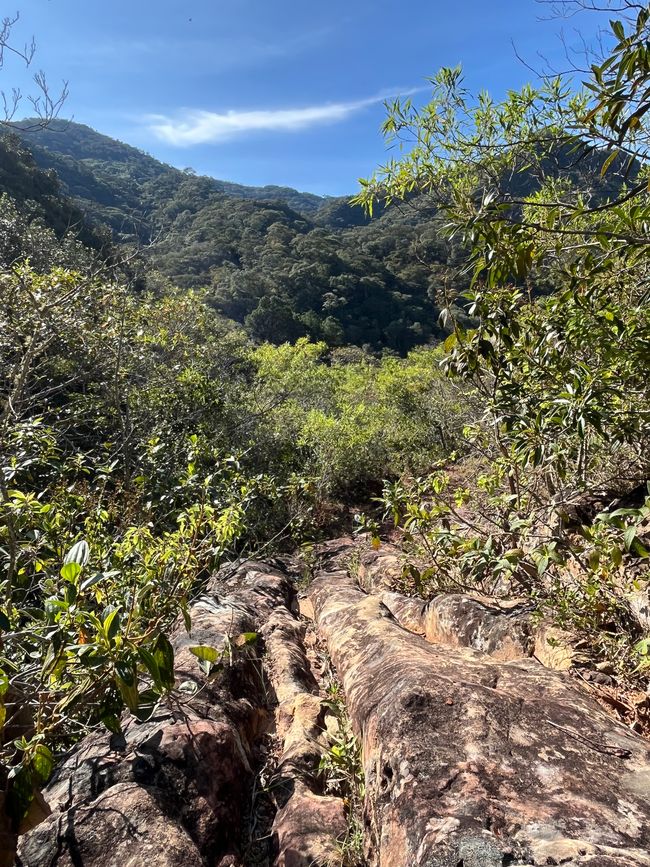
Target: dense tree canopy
x=281 y=263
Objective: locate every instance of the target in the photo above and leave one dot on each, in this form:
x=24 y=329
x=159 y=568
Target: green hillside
x=114 y=180
x=282 y=263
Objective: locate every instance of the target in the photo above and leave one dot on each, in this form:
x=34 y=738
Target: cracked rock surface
x=474 y=753
x=479 y=757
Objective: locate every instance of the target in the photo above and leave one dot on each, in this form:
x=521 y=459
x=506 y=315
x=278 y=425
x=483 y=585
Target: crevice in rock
x=472 y=756
x=474 y=717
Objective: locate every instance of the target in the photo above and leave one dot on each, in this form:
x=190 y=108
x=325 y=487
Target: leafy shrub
x=549 y=189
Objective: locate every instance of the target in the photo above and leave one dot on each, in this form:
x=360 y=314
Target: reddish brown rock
x=409 y=612
x=176 y=789
x=379 y=569
x=126 y=826
x=309 y=828
x=474 y=754
x=501 y=628
x=308 y=825
x=457 y=620
x=475 y=762
x=553 y=647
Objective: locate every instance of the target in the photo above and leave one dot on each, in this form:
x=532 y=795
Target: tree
x=550 y=184
x=548 y=189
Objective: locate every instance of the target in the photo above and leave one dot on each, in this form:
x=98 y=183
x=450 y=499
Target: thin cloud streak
x=194 y=126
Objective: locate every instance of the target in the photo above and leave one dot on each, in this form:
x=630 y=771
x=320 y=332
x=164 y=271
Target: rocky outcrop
x=474 y=753
x=176 y=790
x=308 y=825
x=478 y=761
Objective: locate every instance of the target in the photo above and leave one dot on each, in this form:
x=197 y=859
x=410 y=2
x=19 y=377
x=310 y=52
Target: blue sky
x=272 y=91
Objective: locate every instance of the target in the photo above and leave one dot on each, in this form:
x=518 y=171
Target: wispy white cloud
x=193 y=126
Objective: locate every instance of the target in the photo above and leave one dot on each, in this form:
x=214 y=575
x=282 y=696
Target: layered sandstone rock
x=474 y=753
x=176 y=790
x=478 y=762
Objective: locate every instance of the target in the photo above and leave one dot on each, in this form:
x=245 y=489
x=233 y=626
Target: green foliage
x=143 y=441
x=115 y=501
x=583 y=575
x=356 y=422
x=283 y=264
x=95 y=577
x=547 y=188
x=342 y=769
x=39 y=195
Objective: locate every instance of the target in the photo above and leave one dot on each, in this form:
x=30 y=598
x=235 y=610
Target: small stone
x=605 y=667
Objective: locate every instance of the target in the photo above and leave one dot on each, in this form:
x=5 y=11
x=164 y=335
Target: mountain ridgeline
x=282 y=263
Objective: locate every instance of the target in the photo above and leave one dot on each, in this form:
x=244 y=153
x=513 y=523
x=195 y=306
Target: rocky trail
x=475 y=752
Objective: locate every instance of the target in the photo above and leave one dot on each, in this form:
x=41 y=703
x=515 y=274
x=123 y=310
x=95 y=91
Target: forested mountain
x=99 y=169
x=40 y=196
x=282 y=263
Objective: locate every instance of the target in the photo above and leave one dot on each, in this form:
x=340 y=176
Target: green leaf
x=112 y=723
x=70 y=571
x=208 y=656
x=20 y=793
x=111 y=624
x=79 y=553
x=629 y=536
x=610 y=159
x=245 y=638
x=129 y=692
x=639 y=549
x=187 y=620
x=90 y=582
x=148 y=700
x=206 y=653
x=151 y=665
x=164 y=655
x=643 y=647
x=42 y=763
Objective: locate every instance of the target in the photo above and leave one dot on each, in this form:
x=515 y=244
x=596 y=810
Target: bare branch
x=45 y=105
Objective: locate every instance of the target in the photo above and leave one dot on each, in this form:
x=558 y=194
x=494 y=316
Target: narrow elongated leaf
x=629 y=536
x=164 y=655
x=42 y=762
x=610 y=159
x=112 y=624
x=151 y=665
x=94 y=579
x=129 y=692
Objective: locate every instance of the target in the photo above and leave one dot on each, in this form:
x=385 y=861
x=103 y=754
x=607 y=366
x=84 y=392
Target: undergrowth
x=342 y=770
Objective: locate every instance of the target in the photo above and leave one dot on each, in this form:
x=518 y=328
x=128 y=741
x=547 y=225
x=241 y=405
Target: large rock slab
x=477 y=762
x=308 y=825
x=125 y=826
